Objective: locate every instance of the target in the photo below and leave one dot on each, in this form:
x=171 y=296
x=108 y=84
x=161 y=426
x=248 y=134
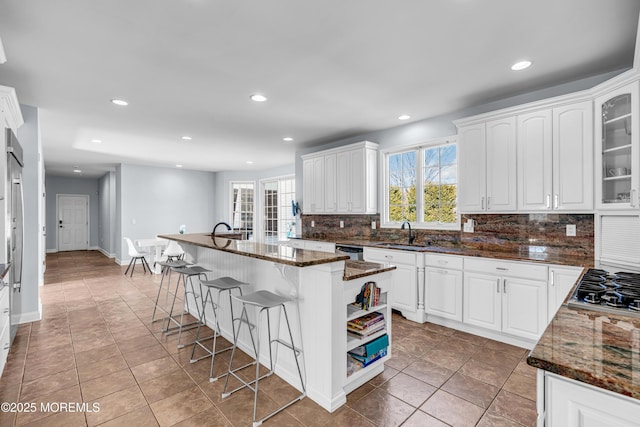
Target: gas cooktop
x=609 y=292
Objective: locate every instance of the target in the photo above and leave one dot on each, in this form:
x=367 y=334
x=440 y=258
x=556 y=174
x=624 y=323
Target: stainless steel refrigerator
x=14 y=227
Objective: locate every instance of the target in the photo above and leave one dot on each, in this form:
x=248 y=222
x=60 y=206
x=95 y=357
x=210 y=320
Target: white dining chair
x=136 y=254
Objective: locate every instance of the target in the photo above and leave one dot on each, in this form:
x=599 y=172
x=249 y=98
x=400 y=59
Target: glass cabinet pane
x=616 y=149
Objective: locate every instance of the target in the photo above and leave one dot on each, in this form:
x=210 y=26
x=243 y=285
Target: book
x=366 y=320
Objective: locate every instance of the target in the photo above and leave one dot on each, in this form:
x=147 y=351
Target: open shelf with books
x=368 y=333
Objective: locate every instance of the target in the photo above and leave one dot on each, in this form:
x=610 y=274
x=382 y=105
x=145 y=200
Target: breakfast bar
x=322 y=286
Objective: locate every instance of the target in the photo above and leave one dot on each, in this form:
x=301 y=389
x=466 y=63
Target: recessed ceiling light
x=249 y=162
x=96 y=141
x=76 y=169
x=120 y=102
x=287 y=139
x=178 y=166
x=404 y=117
x=258 y=97
x=521 y=65
x=186 y=138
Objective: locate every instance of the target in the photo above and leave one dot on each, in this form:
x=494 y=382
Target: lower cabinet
x=405 y=278
x=561 y=281
x=569 y=403
x=5 y=324
x=499 y=298
x=443 y=286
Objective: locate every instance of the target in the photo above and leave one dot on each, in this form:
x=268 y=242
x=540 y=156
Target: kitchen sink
x=416 y=247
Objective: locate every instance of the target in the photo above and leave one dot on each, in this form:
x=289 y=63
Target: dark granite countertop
x=540 y=254
x=280 y=254
x=4 y=269
x=593 y=347
x=358 y=269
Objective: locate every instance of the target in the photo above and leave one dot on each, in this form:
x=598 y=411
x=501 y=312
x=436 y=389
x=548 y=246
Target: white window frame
x=231 y=184
x=260 y=219
x=420 y=147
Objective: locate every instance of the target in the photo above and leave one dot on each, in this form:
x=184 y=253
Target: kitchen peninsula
x=323 y=286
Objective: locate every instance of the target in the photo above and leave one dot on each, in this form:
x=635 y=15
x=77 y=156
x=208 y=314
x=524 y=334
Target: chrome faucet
x=411 y=236
x=220 y=223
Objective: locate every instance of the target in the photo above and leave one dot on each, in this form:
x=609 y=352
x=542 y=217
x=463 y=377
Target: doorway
x=73 y=222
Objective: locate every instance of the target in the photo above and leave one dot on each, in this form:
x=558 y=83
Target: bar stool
x=222 y=284
x=165 y=271
x=187 y=272
x=263 y=300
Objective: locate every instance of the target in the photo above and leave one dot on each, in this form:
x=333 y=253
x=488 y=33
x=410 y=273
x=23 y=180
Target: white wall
x=78 y=186
x=29 y=137
x=107 y=213
x=154 y=200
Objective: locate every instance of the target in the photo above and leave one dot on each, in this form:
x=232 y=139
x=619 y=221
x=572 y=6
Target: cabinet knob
x=6 y=310
x=6 y=347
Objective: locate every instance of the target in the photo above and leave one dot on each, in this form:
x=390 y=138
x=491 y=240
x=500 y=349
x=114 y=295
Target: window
x=242 y=208
x=279 y=221
x=421 y=184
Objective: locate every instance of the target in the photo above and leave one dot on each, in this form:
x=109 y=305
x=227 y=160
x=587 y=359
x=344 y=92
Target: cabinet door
x=573 y=157
x=535 y=160
x=617 y=174
x=472 y=175
x=405 y=288
x=357 y=181
x=308 y=196
x=443 y=293
x=331 y=184
x=482 y=300
x=318 y=184
x=501 y=164
x=572 y=404
x=344 y=181
x=561 y=281
x=524 y=307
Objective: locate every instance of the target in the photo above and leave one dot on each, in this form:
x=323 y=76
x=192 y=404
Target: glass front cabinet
x=617 y=149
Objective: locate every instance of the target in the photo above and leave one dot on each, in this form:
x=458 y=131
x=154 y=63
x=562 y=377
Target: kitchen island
x=322 y=285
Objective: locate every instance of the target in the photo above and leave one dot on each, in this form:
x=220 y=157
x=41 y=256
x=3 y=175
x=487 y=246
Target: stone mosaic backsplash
x=493 y=232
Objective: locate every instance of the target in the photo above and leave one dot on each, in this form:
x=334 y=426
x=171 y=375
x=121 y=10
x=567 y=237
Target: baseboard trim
x=32 y=316
x=103 y=252
x=51 y=251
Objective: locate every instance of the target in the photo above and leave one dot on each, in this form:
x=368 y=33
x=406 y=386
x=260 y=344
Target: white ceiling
x=330 y=68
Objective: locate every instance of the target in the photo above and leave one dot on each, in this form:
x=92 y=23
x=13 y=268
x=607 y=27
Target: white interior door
x=73 y=223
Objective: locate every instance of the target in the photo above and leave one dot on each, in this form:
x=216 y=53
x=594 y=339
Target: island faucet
x=411 y=236
x=220 y=223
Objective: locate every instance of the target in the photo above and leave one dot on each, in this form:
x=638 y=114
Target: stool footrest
x=297 y=351
x=297 y=399
x=245 y=383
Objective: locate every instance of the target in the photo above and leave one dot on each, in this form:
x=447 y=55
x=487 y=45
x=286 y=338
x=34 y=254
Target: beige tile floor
x=96 y=344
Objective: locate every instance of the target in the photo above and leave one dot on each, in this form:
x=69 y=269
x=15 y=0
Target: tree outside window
x=430 y=171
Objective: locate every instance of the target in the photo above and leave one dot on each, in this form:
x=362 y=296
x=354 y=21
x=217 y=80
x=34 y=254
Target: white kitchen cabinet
x=346 y=183
x=443 y=286
x=5 y=324
x=405 y=278
x=617 y=146
x=330 y=183
x=313 y=185
x=487 y=166
x=510 y=297
x=569 y=403
x=472 y=172
x=555 y=158
x=561 y=280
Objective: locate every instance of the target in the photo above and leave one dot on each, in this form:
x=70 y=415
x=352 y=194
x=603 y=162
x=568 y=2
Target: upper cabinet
x=534 y=157
x=617 y=148
x=341 y=180
x=487 y=166
x=555 y=158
